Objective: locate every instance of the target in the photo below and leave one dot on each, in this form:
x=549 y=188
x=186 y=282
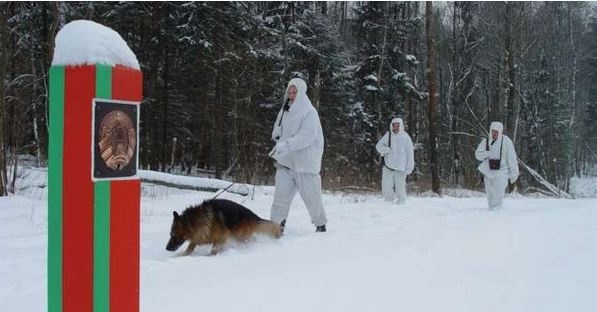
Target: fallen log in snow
x=550 y=187
x=192 y=183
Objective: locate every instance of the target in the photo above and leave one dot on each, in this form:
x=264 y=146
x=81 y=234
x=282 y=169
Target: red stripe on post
x=124 y=245
x=78 y=190
x=127 y=85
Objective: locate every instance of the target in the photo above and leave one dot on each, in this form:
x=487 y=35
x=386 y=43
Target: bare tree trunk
x=34 y=99
x=172 y=154
x=50 y=21
x=236 y=150
x=165 y=98
x=410 y=106
x=15 y=158
x=413 y=126
x=317 y=89
x=454 y=96
x=343 y=8
x=573 y=168
x=3 y=52
x=149 y=145
x=510 y=87
x=219 y=142
x=381 y=63
x=432 y=112
x=384 y=42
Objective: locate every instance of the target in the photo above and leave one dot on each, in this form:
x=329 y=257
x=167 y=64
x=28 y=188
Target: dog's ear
x=176 y=215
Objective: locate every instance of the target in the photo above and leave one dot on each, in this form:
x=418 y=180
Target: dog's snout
x=173 y=244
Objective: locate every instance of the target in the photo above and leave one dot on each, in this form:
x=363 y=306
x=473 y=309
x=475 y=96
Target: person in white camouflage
x=297 y=154
x=499 y=164
x=396 y=148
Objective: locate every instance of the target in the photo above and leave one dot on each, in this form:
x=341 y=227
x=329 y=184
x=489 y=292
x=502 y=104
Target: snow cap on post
x=84 y=42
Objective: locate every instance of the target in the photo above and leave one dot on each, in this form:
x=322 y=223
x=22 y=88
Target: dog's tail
x=269 y=228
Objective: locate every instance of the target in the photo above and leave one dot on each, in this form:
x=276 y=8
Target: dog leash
x=224 y=190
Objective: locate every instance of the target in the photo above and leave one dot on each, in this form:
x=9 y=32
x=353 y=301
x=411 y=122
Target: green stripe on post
x=103 y=81
x=101 y=213
x=55 y=174
x=101 y=247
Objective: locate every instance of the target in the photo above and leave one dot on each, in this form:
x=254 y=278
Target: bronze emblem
x=117 y=140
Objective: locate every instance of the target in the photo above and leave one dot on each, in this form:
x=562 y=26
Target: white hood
x=397 y=120
x=496 y=125
x=301 y=100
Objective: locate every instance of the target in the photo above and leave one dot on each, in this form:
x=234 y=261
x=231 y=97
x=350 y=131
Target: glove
x=272 y=152
x=281 y=147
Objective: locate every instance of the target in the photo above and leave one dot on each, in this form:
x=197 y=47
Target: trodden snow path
x=448 y=254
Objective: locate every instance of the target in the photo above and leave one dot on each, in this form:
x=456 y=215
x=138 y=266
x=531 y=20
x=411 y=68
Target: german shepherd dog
x=215 y=222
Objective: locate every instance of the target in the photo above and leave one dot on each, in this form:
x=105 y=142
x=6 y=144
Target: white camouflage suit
x=298 y=151
x=398 y=159
x=496 y=181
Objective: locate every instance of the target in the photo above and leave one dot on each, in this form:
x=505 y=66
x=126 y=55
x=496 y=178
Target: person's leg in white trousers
x=495 y=188
x=400 y=184
x=393 y=185
x=387 y=184
x=308 y=185
x=283 y=195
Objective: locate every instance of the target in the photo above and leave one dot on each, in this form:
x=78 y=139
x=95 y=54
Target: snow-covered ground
x=583 y=187
x=432 y=254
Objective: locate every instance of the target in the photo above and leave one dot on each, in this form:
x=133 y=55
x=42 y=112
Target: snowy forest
x=215 y=74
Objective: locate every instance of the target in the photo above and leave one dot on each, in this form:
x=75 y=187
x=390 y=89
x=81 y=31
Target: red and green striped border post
x=93 y=227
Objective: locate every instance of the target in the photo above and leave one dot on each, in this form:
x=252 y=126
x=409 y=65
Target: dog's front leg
x=216 y=248
x=190 y=248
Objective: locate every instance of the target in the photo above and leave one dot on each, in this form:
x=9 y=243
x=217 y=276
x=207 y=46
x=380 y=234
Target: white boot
x=496 y=208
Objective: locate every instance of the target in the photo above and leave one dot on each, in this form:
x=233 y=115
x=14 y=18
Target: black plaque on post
x=115 y=141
